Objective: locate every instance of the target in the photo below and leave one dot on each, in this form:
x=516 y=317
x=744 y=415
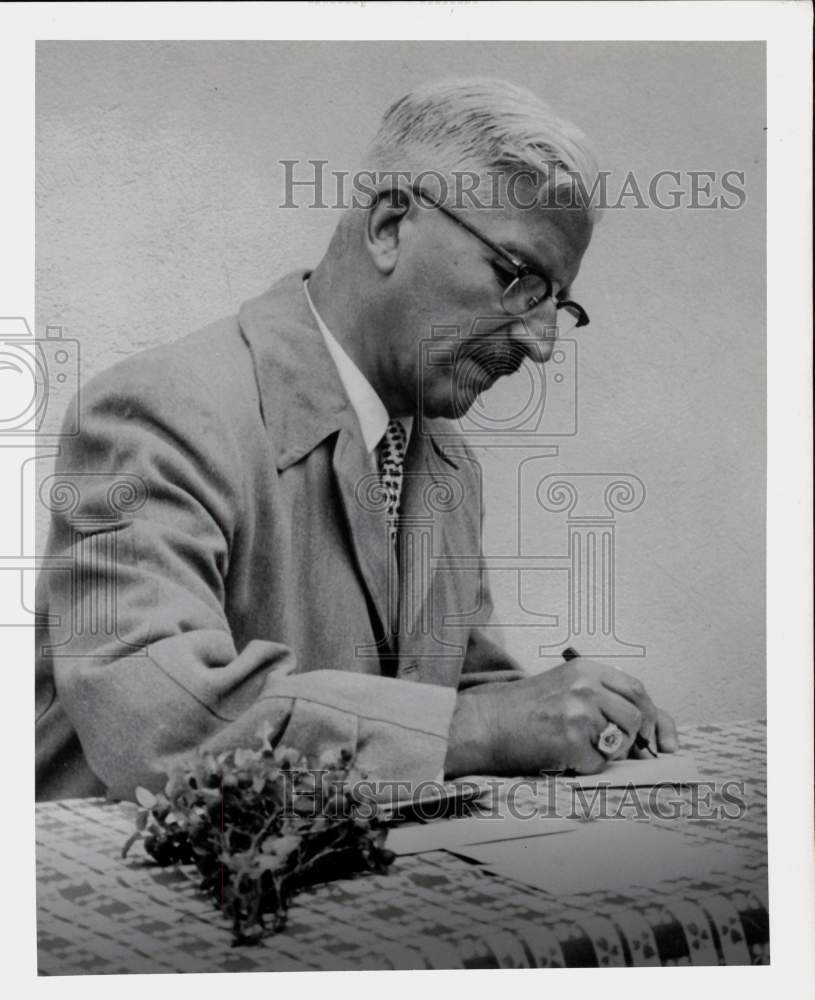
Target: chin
x=440 y=407
x=452 y=399
x=447 y=408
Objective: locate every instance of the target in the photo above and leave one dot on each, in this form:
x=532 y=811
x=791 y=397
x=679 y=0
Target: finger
x=634 y=690
x=647 y=732
x=620 y=711
x=585 y=758
x=667 y=739
x=623 y=714
x=589 y=761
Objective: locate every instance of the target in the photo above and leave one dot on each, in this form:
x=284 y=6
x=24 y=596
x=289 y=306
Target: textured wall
x=157 y=210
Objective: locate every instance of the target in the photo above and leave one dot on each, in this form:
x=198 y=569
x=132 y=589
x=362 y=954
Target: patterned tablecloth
x=99 y=914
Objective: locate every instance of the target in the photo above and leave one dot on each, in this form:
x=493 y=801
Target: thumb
x=667 y=740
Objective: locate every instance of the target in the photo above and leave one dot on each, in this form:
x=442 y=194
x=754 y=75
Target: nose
x=538 y=331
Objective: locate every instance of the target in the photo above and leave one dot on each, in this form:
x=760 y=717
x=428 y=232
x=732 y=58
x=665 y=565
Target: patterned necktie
x=391 y=461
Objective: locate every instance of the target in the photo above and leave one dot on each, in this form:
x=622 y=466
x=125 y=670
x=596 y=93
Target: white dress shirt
x=369 y=408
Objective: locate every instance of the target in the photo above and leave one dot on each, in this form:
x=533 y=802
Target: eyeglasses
x=523 y=286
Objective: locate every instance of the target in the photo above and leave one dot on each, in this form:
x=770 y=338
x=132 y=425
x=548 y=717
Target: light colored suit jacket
x=225 y=563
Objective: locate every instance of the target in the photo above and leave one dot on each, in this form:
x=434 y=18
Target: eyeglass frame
x=521 y=267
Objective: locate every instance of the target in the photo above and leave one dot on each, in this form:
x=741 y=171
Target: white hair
x=487 y=126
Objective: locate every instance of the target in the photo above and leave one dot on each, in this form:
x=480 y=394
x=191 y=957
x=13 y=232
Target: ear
x=382 y=237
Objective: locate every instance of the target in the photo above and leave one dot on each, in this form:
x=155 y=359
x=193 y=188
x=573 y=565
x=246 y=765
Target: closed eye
x=503 y=273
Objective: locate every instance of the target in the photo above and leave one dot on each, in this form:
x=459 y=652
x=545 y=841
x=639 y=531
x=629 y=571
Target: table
x=98 y=914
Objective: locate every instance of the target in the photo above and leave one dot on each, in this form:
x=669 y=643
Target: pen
x=640 y=742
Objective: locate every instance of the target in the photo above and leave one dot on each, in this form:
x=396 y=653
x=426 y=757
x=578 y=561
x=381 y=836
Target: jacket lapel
x=432 y=492
x=304 y=403
x=364 y=507
x=301 y=395
x=418 y=540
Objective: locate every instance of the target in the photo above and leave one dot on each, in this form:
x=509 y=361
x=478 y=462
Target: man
x=234 y=510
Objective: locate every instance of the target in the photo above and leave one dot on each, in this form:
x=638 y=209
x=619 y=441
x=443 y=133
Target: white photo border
x=787 y=31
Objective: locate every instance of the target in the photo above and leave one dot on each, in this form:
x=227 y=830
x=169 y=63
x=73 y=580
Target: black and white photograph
x=390 y=497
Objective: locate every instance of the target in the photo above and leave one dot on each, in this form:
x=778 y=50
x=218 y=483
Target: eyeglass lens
x=524 y=293
x=530 y=289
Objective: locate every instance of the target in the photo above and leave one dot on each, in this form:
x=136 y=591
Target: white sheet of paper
x=676 y=768
x=606 y=854
x=453 y=834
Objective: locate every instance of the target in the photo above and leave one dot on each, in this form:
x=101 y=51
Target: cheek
x=445 y=273
x=443 y=308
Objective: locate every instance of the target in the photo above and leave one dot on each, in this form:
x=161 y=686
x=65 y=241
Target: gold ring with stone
x=610 y=740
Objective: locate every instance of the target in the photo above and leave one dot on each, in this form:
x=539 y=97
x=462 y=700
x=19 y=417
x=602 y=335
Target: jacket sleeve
x=486 y=662
x=145 y=665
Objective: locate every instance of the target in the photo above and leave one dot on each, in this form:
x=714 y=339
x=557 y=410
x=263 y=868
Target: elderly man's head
x=479 y=224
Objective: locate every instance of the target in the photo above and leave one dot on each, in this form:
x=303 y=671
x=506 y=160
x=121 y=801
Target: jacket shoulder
x=211 y=368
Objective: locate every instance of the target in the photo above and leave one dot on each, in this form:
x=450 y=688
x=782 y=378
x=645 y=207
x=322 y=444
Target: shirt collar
x=369 y=408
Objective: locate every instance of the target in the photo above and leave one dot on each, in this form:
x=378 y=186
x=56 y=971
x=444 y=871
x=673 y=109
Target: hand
x=552 y=721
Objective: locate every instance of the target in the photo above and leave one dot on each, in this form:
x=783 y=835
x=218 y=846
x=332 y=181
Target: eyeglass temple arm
x=511 y=258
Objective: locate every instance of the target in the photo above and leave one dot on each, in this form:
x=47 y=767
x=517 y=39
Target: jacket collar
x=302 y=397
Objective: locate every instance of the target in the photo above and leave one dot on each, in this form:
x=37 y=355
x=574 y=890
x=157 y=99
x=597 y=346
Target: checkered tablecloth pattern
x=100 y=914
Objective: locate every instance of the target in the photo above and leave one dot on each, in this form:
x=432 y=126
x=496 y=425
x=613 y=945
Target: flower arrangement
x=261 y=824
